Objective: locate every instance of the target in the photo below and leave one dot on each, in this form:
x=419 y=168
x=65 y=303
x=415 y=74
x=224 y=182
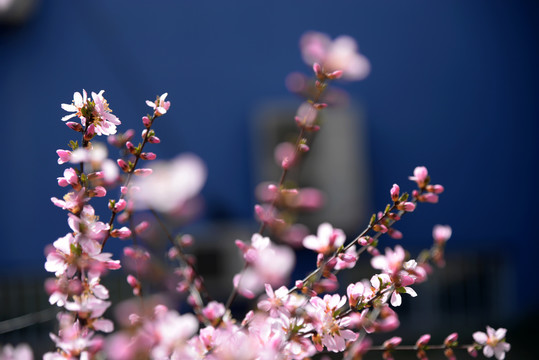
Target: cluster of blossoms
x=77 y=259
x=289 y=322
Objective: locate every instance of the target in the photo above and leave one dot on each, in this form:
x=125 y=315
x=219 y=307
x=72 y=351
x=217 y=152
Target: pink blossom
x=394 y=192
x=268 y=263
x=19 y=352
x=331 y=332
x=428 y=197
x=143 y=172
x=423 y=340
x=172 y=183
x=406 y=206
x=493 y=342
x=75 y=341
x=122 y=233
x=355 y=294
x=420 y=176
x=213 y=311
x=104 y=121
x=335 y=57
x=275 y=303
x=327 y=239
x=392 y=343
x=347 y=260
x=62 y=260
x=160 y=106
x=70 y=178
x=88 y=306
x=306 y=116
x=79 y=102
x=63 y=156
x=441 y=233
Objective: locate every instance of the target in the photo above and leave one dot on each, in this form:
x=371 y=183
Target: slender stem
x=413 y=347
x=301 y=134
x=128 y=178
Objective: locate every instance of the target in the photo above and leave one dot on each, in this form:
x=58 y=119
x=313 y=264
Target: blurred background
x=453 y=87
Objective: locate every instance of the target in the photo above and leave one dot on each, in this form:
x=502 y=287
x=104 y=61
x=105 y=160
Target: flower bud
x=335 y=75
x=318 y=71
x=74 y=126
x=90 y=132
x=119 y=205
x=148 y=156
x=123 y=165
x=146 y=121
x=131 y=148
x=422 y=341
x=143 y=172
x=395 y=191
x=140 y=228
x=437 y=189
x=98 y=191
x=303 y=148
x=121 y=233
x=406 y=206
x=320 y=106
x=392 y=343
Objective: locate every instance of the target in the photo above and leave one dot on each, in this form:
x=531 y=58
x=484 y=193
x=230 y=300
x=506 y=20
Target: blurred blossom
x=19 y=352
x=171 y=184
x=340 y=54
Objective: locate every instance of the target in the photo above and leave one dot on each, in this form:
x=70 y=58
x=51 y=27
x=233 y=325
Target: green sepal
x=76 y=249
x=403 y=197
x=373 y=220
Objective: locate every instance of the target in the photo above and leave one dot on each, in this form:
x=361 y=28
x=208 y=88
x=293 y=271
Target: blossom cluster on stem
x=292 y=319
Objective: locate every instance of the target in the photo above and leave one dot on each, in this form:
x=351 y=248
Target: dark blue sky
x=453 y=87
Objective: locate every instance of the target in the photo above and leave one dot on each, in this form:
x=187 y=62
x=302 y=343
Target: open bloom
x=97 y=112
x=331 y=331
x=171 y=184
x=339 y=55
x=493 y=342
x=104 y=121
x=79 y=102
x=326 y=240
x=160 y=106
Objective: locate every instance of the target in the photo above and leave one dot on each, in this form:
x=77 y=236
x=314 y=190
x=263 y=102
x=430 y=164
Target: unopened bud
x=131 y=148
x=186 y=240
x=123 y=165
x=406 y=206
x=74 y=126
x=320 y=106
x=437 y=189
x=146 y=121
x=120 y=205
x=143 y=172
x=90 y=132
x=285 y=164
x=428 y=197
x=148 y=156
x=318 y=71
x=121 y=233
x=335 y=75
x=140 y=228
x=303 y=148
x=98 y=191
x=395 y=191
